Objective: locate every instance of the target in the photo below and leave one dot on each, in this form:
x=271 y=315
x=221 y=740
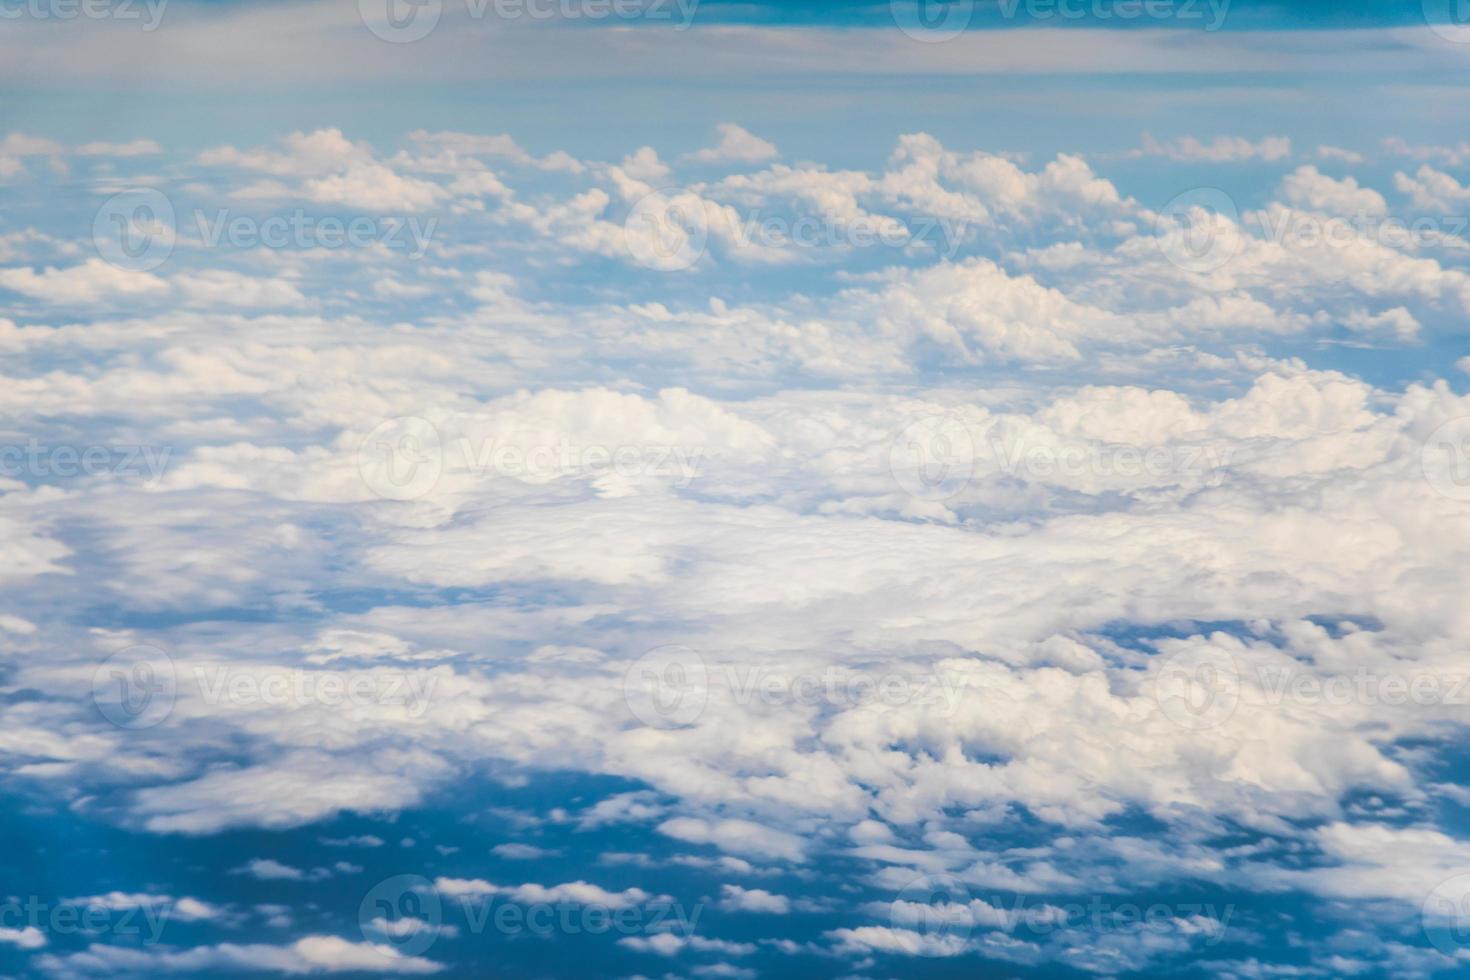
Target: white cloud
x=267 y=869
x=671 y=944
x=737 y=836
x=1434 y=191
x=310 y=954
x=26 y=937
x=1222 y=149
x=1310 y=189
x=516 y=851
x=214 y=288
x=737 y=899
x=573 y=892
x=736 y=145
x=94 y=281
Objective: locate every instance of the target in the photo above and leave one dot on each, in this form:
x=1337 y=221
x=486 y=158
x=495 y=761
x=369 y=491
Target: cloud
x=1222 y=149
x=267 y=869
x=937 y=526
x=26 y=937
x=310 y=954
x=1433 y=191
x=521 y=852
x=216 y=288
x=94 y=281
x=183 y=909
x=670 y=944
x=734 y=898
x=131 y=148
x=330 y=169
x=736 y=145
x=573 y=892
x=1308 y=188
x=736 y=836
x=1338 y=153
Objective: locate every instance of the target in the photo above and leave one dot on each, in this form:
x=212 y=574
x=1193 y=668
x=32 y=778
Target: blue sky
x=734 y=489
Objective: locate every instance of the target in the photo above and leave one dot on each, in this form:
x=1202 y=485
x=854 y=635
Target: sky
x=698 y=489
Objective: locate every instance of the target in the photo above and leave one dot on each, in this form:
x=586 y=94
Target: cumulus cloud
x=936 y=534
x=93 y=281
x=736 y=145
